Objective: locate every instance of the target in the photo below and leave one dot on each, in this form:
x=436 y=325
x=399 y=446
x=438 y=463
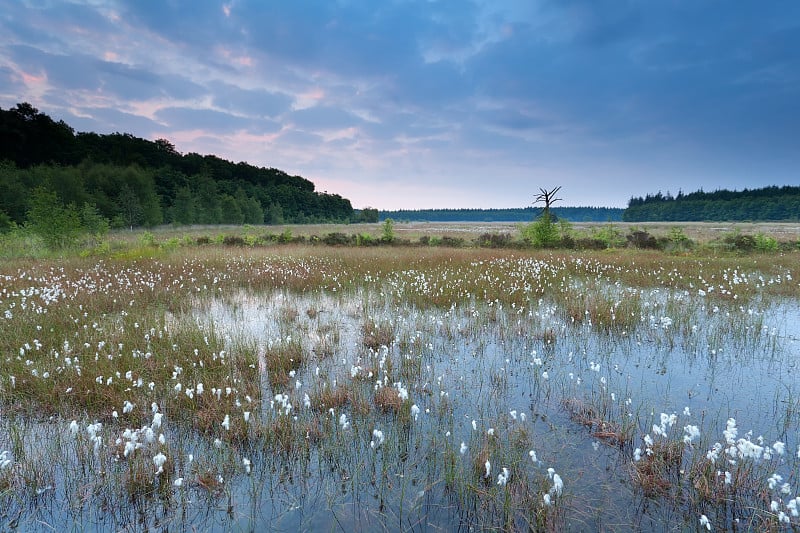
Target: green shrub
x=542 y=233
x=147 y=239
x=57 y=225
x=610 y=236
x=765 y=243
x=387 y=235
x=365 y=239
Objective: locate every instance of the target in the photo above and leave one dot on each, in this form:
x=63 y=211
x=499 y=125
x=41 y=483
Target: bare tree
x=548 y=198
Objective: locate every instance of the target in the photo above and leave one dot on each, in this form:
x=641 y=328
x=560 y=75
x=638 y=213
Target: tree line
x=522 y=214
x=133 y=182
x=764 y=204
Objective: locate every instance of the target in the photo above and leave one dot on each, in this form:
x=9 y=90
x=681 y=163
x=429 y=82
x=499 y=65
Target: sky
x=414 y=104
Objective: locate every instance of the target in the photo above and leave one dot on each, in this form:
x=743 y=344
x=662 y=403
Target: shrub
x=387 y=235
x=610 y=236
x=365 y=239
x=494 y=240
x=765 y=243
x=641 y=239
x=450 y=242
x=233 y=240
x=678 y=240
x=542 y=233
x=336 y=238
x=57 y=225
x=741 y=243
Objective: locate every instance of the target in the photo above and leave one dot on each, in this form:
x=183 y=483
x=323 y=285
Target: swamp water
x=517 y=418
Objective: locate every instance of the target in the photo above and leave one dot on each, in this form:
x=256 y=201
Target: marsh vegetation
x=311 y=387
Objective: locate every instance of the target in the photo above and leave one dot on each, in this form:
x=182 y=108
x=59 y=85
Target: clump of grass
x=606 y=431
x=479 y=465
x=653 y=472
x=284 y=435
x=376 y=335
x=330 y=398
x=281 y=359
x=387 y=400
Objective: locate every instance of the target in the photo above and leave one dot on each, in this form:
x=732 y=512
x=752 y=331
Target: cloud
x=485 y=96
x=251 y=102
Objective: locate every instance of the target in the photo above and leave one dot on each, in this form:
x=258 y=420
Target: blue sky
x=425 y=104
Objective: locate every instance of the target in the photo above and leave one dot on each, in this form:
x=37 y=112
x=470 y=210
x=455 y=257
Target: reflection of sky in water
x=750 y=380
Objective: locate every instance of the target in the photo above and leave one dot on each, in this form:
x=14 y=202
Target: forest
x=522 y=214
x=764 y=204
x=131 y=182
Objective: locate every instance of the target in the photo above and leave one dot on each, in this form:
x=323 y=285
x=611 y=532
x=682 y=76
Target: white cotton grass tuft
x=488 y=466
x=502 y=478
x=463 y=448
x=704 y=522
x=159 y=459
x=377 y=439
x=5 y=459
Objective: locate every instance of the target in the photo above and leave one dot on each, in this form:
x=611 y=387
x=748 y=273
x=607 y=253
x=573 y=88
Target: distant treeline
x=136 y=182
x=522 y=214
x=765 y=204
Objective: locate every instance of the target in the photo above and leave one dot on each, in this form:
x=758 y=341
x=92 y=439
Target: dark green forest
x=765 y=204
x=522 y=214
x=130 y=182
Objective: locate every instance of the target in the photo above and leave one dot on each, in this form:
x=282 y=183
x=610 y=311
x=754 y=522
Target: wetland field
x=401 y=388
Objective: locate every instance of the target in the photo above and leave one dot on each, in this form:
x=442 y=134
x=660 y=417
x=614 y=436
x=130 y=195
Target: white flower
x=73 y=428
x=463 y=449
x=415 y=411
x=704 y=522
x=773 y=481
x=343 y=421
x=558 y=485
x=377 y=439
x=159 y=459
x=488 y=466
x=502 y=478
x=532 y=455
x=226 y=423
x=246 y=463
x=692 y=432
x=4 y=460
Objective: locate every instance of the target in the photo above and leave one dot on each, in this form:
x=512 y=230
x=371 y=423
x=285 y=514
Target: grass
x=292 y=359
